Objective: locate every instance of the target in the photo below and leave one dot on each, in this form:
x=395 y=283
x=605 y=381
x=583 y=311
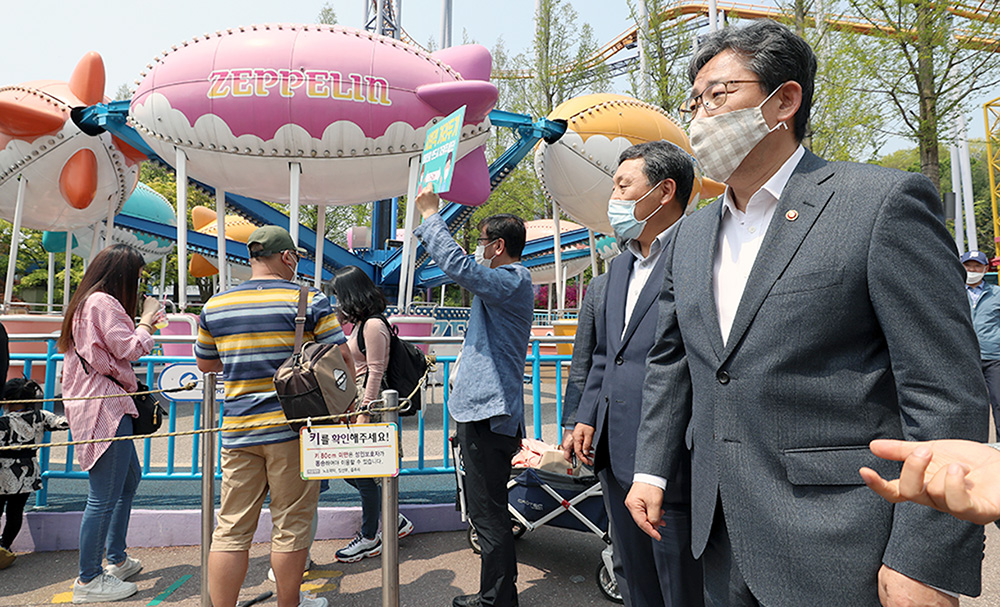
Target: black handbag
x=151 y=414
x=406 y=369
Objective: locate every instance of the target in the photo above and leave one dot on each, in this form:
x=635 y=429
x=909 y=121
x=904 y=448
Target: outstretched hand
x=959 y=477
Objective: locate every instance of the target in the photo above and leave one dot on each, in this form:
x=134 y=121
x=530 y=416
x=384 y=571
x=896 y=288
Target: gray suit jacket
x=853 y=326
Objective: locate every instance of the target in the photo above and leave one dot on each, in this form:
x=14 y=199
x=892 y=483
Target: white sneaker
x=102 y=589
x=125 y=570
x=309 y=564
x=405 y=527
x=306 y=600
x=359 y=548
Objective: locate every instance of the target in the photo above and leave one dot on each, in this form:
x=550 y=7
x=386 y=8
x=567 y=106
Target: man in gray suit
x=651 y=188
x=814 y=307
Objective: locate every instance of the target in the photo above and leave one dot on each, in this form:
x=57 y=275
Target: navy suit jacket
x=612 y=398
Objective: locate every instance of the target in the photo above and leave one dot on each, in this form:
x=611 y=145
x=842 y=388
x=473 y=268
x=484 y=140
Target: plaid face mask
x=722 y=142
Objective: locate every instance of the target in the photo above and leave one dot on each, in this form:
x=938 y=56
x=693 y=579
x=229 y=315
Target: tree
x=929 y=59
x=668 y=42
x=847 y=121
x=327 y=16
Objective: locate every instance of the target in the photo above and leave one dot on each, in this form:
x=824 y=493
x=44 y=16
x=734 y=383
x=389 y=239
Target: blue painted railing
x=168 y=469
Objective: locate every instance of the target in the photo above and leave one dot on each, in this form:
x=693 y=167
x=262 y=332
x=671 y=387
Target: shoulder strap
x=360 y=329
x=300 y=318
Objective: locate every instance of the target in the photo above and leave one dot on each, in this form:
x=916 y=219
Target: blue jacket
x=490 y=383
x=986 y=320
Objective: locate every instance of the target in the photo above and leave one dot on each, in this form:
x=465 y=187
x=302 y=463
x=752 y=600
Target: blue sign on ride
x=440 y=153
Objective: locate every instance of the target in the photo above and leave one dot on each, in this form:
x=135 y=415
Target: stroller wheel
x=607 y=583
x=473 y=536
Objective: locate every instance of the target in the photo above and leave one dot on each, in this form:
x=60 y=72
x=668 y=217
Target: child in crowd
x=21 y=424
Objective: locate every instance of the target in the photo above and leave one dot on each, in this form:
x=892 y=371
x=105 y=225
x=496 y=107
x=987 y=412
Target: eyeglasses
x=485 y=240
x=711 y=98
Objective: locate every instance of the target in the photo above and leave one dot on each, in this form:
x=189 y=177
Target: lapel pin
x=792 y=215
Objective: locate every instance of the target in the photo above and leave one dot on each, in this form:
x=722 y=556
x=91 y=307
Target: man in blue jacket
x=985 y=301
x=488 y=398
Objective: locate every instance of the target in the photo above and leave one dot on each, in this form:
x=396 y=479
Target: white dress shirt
x=740 y=235
x=642 y=268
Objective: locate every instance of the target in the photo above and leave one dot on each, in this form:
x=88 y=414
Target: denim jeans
x=371 y=504
x=113 y=481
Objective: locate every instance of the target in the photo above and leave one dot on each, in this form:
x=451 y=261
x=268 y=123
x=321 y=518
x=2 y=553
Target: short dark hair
x=772 y=52
x=357 y=296
x=510 y=228
x=664 y=160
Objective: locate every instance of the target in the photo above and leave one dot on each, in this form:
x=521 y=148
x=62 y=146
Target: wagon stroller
x=537 y=497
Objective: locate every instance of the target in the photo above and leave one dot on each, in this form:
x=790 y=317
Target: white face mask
x=621 y=216
x=480 y=255
x=722 y=142
x=972 y=278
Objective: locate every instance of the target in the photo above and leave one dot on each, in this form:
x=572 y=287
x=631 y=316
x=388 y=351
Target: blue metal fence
x=168 y=468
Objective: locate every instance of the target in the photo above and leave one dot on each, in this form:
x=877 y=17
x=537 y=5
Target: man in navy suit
x=651 y=189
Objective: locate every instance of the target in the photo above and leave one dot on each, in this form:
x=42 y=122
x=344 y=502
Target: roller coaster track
x=685 y=10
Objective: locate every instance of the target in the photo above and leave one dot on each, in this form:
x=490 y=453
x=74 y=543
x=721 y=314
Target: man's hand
x=427 y=202
x=959 y=477
x=567 y=444
x=645 y=502
x=898 y=590
x=583 y=438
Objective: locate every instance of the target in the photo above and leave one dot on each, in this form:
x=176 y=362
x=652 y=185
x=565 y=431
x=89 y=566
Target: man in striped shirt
x=246 y=333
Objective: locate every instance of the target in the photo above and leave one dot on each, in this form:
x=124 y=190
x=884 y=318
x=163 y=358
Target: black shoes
x=468 y=600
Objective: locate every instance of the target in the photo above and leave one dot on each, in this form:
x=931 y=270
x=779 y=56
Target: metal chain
x=431 y=366
x=188 y=386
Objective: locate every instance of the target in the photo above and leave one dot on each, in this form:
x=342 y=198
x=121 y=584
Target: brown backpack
x=315 y=380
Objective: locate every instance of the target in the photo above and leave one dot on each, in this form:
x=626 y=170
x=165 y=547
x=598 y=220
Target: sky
x=44 y=39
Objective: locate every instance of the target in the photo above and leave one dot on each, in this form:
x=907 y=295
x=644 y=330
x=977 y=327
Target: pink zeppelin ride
x=351 y=107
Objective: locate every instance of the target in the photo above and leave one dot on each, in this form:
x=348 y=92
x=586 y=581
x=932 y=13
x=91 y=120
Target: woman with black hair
x=100 y=339
x=358 y=301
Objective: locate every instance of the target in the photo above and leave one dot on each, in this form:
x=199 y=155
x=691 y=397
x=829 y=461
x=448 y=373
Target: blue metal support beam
x=432 y=276
x=455 y=215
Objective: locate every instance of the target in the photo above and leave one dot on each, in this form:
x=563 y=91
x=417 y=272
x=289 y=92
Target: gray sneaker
x=125 y=569
x=359 y=548
x=102 y=589
x=306 y=600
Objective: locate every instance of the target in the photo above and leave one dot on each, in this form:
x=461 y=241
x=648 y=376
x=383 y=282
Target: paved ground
x=556 y=567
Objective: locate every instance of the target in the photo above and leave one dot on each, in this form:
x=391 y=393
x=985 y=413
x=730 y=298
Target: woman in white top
x=360 y=302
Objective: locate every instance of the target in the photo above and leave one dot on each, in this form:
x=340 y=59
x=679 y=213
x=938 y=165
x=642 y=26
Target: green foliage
x=919 y=56
x=668 y=46
x=327 y=16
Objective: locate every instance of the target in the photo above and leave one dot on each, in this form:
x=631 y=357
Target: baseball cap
x=273 y=240
x=977 y=256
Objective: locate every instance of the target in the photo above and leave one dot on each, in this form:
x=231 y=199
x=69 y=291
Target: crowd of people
x=749 y=381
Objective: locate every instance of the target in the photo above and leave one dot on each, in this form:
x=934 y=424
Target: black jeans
x=14 y=505
x=487 y=456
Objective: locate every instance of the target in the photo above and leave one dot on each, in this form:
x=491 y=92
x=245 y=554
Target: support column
x=220 y=236
x=182 y=263
x=15 y=241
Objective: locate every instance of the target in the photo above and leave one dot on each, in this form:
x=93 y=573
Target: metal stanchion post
x=207 y=482
x=390 y=517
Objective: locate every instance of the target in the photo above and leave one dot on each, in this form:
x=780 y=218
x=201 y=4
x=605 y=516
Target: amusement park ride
x=314 y=114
